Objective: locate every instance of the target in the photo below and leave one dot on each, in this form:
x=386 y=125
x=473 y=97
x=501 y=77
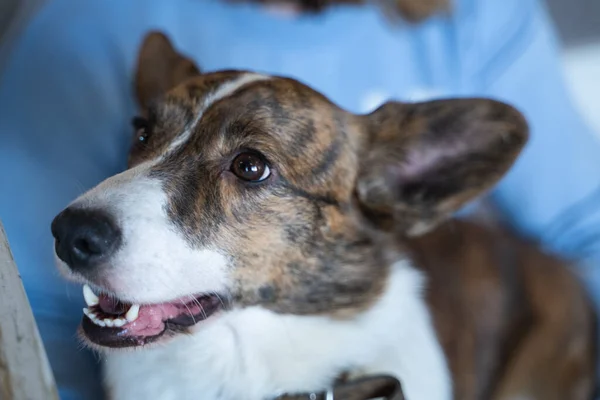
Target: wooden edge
x=24 y=368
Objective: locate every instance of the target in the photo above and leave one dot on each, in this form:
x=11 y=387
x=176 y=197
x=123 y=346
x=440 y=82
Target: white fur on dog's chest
x=253 y=353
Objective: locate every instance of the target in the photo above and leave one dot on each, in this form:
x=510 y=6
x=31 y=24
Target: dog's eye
x=250 y=167
x=142 y=130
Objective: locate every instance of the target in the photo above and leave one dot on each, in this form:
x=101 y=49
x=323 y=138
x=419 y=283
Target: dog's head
x=253 y=190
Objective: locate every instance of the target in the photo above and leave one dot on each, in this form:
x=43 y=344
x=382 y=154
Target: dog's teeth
x=119 y=322
x=97 y=321
x=93 y=317
x=90 y=298
x=133 y=312
x=131 y=316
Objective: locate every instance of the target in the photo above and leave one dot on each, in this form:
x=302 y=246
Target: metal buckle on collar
x=328 y=395
x=368 y=387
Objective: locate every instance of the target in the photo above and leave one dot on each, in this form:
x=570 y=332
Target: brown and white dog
x=265 y=241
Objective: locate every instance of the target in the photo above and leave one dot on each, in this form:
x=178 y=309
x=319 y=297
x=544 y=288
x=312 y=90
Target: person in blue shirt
x=66 y=101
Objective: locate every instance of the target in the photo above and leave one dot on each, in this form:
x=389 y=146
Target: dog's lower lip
x=111 y=323
x=113 y=337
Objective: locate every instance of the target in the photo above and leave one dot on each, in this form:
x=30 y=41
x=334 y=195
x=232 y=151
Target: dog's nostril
x=86 y=246
x=84 y=238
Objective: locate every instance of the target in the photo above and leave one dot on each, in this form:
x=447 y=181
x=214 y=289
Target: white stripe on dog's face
x=225 y=90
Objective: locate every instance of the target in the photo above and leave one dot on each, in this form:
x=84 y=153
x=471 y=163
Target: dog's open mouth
x=112 y=323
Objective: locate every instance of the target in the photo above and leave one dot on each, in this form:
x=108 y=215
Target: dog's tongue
x=151 y=318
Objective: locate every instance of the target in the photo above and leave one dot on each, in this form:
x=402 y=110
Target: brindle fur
x=346 y=195
x=513 y=321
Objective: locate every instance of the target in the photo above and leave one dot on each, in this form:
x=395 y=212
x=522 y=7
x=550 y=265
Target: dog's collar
x=365 y=388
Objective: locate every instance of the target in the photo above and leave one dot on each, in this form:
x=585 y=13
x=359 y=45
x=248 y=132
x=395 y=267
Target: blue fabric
x=66 y=103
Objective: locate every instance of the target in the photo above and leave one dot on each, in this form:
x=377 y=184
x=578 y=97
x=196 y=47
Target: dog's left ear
x=423 y=161
x=160 y=68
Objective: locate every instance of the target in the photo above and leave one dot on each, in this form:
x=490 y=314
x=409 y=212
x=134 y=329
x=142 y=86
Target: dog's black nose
x=84 y=238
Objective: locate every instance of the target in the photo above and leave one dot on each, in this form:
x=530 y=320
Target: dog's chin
x=110 y=323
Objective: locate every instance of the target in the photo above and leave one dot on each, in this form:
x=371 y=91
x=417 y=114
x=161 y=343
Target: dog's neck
x=254 y=353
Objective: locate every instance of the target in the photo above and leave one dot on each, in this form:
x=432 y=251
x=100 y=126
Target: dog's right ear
x=160 y=68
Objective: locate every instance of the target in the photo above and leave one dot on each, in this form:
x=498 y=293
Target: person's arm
x=553 y=192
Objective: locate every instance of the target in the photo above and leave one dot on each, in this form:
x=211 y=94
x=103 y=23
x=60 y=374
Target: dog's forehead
x=228 y=110
x=250 y=92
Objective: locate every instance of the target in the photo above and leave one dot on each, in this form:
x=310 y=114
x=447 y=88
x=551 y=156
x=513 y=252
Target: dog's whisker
x=192 y=299
x=220 y=299
x=201 y=308
x=202 y=311
x=188 y=310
